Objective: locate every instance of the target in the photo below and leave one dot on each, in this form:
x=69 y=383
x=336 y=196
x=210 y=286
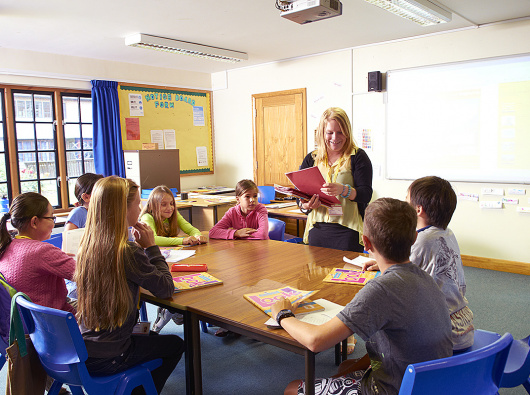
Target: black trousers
x=143 y=348
x=336 y=236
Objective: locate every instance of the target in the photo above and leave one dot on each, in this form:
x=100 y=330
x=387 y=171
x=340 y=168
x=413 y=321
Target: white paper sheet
x=317 y=318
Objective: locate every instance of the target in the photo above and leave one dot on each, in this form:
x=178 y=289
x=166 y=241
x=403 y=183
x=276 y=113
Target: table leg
x=309 y=372
x=192 y=338
x=214 y=215
x=190 y=211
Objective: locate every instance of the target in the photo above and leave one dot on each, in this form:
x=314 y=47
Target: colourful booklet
x=265 y=299
x=350 y=276
x=192 y=281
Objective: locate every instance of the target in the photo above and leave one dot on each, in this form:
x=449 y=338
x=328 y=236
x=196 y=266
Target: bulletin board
x=165 y=118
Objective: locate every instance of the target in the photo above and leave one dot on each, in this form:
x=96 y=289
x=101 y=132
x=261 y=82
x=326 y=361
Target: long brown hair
x=104 y=298
x=339 y=115
x=24 y=207
x=153 y=207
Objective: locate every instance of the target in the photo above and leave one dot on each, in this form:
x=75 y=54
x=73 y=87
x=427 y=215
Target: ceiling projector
x=306 y=11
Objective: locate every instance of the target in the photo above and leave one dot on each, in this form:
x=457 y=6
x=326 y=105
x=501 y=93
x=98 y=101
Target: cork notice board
x=165 y=118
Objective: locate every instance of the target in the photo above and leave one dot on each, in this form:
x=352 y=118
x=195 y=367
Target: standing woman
x=110 y=270
x=347 y=171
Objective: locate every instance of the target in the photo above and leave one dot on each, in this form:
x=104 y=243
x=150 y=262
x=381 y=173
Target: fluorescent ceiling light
x=184 y=48
x=422 y=12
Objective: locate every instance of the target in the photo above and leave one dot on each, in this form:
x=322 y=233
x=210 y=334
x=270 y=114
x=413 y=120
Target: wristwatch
x=285 y=313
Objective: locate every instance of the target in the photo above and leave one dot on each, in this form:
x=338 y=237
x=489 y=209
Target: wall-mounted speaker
x=375 y=81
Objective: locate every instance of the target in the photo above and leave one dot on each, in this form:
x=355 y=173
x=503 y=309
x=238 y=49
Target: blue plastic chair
x=62 y=352
x=276 y=229
x=517 y=369
x=474 y=372
x=266 y=194
x=55 y=240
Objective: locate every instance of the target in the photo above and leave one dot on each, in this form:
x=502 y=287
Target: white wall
x=59 y=71
x=501 y=234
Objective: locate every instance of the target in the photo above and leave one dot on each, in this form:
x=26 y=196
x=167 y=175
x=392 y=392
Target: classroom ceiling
x=97 y=28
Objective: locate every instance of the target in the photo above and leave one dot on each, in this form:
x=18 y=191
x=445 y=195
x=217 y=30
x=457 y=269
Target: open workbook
x=308 y=183
x=265 y=299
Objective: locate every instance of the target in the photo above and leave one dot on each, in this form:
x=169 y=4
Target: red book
x=309 y=181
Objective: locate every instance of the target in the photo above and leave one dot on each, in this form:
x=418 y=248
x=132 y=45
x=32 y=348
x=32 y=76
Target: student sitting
x=83 y=190
x=110 y=271
x=401 y=315
x=165 y=220
x=160 y=214
x=436 y=251
x=247 y=220
x=38 y=269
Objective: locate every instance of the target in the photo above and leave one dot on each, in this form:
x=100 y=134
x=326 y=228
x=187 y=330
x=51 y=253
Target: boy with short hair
x=436 y=251
x=401 y=315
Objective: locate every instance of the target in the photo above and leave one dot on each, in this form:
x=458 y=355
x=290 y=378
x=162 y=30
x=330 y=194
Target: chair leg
x=142 y=377
x=75 y=390
x=55 y=388
x=204 y=328
x=526 y=385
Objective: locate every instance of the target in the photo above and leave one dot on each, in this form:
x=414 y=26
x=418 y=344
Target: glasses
x=53 y=218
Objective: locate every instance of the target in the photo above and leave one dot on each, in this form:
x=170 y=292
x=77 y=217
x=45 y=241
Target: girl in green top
x=165 y=220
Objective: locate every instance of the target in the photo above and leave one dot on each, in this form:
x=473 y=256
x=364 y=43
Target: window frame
x=11 y=148
x=6 y=146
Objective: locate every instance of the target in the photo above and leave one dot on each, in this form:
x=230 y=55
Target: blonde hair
x=104 y=298
x=339 y=115
x=153 y=207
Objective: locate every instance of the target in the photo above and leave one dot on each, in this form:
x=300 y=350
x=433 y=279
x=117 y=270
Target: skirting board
x=500 y=265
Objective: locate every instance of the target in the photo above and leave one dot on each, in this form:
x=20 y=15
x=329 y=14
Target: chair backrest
x=55 y=240
x=474 y=372
x=517 y=369
x=266 y=194
x=276 y=229
x=6 y=293
x=57 y=340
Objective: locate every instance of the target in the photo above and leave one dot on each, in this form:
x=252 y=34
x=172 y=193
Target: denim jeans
x=143 y=348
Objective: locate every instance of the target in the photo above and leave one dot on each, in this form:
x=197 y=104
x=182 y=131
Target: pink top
x=38 y=269
x=234 y=220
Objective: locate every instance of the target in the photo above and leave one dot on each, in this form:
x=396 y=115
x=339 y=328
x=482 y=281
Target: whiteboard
x=466 y=121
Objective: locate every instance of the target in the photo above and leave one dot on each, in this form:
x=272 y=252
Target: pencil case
x=189 y=268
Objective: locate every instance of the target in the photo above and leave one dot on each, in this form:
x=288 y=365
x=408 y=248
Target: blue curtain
x=108 y=153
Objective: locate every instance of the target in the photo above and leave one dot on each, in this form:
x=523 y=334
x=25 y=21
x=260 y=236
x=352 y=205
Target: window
x=36 y=146
x=50 y=134
x=5 y=188
x=77 y=124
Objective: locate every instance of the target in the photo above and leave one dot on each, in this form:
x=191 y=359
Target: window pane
x=72 y=136
x=29 y=186
x=89 y=162
x=1 y=135
x=87 y=137
x=25 y=136
x=23 y=107
x=71 y=189
x=27 y=166
x=3 y=170
x=70 y=109
x=43 y=108
x=49 y=190
x=45 y=136
x=47 y=165
x=3 y=189
x=74 y=167
x=86 y=109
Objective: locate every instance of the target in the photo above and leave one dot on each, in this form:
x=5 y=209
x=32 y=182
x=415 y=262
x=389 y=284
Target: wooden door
x=279 y=135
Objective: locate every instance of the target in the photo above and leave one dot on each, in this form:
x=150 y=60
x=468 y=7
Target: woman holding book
x=347 y=172
x=110 y=271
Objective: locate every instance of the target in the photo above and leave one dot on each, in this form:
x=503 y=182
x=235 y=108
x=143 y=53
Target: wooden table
x=252 y=266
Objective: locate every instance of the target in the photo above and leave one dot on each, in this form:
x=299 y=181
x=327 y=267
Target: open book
x=308 y=183
x=196 y=280
x=329 y=310
x=349 y=276
x=265 y=299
